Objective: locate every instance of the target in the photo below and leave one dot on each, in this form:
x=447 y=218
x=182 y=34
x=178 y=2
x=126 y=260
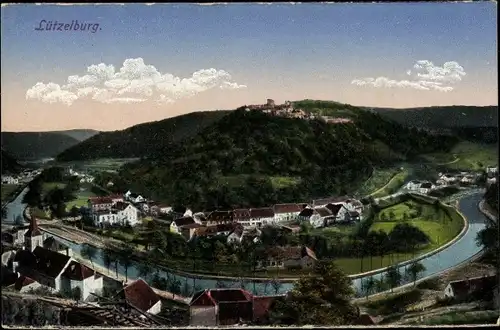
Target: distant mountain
x=478 y=124
x=10 y=164
x=141 y=140
x=79 y=134
x=448 y=116
x=36 y=145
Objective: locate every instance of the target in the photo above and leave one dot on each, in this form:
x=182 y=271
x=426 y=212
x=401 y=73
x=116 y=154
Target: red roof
x=210 y=297
x=140 y=295
x=287 y=208
x=100 y=200
x=23 y=281
x=261 y=306
x=264 y=212
x=77 y=272
x=33 y=228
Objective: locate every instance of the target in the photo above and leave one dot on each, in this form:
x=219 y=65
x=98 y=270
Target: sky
x=108 y=67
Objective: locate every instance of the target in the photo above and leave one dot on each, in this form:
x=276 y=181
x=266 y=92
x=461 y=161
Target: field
x=436 y=223
x=81 y=197
x=103 y=164
x=466 y=156
x=379 y=179
x=7 y=190
x=392 y=186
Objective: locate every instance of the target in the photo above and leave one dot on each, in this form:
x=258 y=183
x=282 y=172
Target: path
x=452 y=162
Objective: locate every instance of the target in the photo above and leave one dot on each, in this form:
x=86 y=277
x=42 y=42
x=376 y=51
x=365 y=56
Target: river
x=455 y=254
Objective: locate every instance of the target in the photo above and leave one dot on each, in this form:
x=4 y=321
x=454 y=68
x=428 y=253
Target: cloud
x=134 y=82
x=426 y=76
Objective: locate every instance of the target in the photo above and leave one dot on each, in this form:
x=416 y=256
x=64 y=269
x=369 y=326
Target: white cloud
x=133 y=82
x=426 y=76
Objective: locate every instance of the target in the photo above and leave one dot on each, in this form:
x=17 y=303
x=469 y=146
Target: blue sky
x=314 y=48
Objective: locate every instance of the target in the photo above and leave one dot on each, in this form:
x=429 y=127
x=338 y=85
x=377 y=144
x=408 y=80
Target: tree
x=276 y=284
x=393 y=277
x=175 y=287
x=126 y=251
x=88 y=252
x=145 y=268
x=321 y=299
x=220 y=284
x=414 y=270
x=369 y=286
x=107 y=258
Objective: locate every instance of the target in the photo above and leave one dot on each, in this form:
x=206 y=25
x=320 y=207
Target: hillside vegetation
x=79 y=134
x=10 y=164
x=319 y=159
x=141 y=140
x=36 y=145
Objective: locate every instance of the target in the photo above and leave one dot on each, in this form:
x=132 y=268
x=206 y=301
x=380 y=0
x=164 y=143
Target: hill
x=9 y=164
x=143 y=139
x=252 y=159
x=36 y=145
x=479 y=124
x=79 y=134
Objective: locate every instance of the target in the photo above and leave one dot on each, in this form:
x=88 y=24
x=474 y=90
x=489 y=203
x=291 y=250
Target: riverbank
x=100 y=243
x=13 y=195
x=484 y=208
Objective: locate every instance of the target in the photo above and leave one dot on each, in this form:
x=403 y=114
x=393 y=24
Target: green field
x=466 y=156
x=437 y=224
x=81 y=197
x=392 y=186
x=379 y=178
x=7 y=190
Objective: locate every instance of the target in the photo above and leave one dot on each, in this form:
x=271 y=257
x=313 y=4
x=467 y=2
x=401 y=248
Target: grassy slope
x=143 y=139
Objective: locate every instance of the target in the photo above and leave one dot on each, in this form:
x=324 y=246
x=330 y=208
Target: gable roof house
x=139 y=295
x=262 y=216
x=189 y=231
x=80 y=278
x=317 y=217
x=220 y=307
x=242 y=216
x=99 y=203
x=471 y=287
x=175 y=225
x=289 y=257
x=286 y=212
x=329 y=200
x=219 y=217
x=52 y=244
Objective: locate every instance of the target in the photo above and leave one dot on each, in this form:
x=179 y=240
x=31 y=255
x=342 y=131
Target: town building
x=96 y=204
x=127 y=213
x=286 y=212
x=289 y=257
x=476 y=286
x=260 y=217
x=140 y=297
x=175 y=225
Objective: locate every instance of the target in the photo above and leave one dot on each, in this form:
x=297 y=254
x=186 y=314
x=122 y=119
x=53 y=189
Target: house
x=15 y=235
x=367 y=319
x=57 y=272
x=160 y=209
x=25 y=284
x=242 y=216
x=97 y=204
x=139 y=295
x=135 y=198
x=127 y=213
x=330 y=200
x=50 y=243
x=477 y=286
x=236 y=236
x=177 y=223
x=217 y=307
x=189 y=231
x=8 y=179
x=335 y=209
x=262 y=306
x=178 y=212
x=317 y=217
x=289 y=257
x=286 y=212
x=241 y=234
x=261 y=217
x=80 y=278
x=213 y=230
x=105 y=218
x=291 y=229
x=219 y=217
x=425 y=187
x=116 y=198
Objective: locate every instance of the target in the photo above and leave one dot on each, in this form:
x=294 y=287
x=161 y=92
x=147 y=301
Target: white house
x=261 y=217
x=97 y=204
x=8 y=179
x=127 y=213
x=175 y=226
x=140 y=295
x=318 y=217
x=105 y=218
x=286 y=212
x=136 y=198
x=55 y=271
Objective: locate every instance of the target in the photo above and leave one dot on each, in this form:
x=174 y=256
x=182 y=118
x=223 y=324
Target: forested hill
x=36 y=145
x=9 y=164
x=446 y=116
x=252 y=159
x=141 y=140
